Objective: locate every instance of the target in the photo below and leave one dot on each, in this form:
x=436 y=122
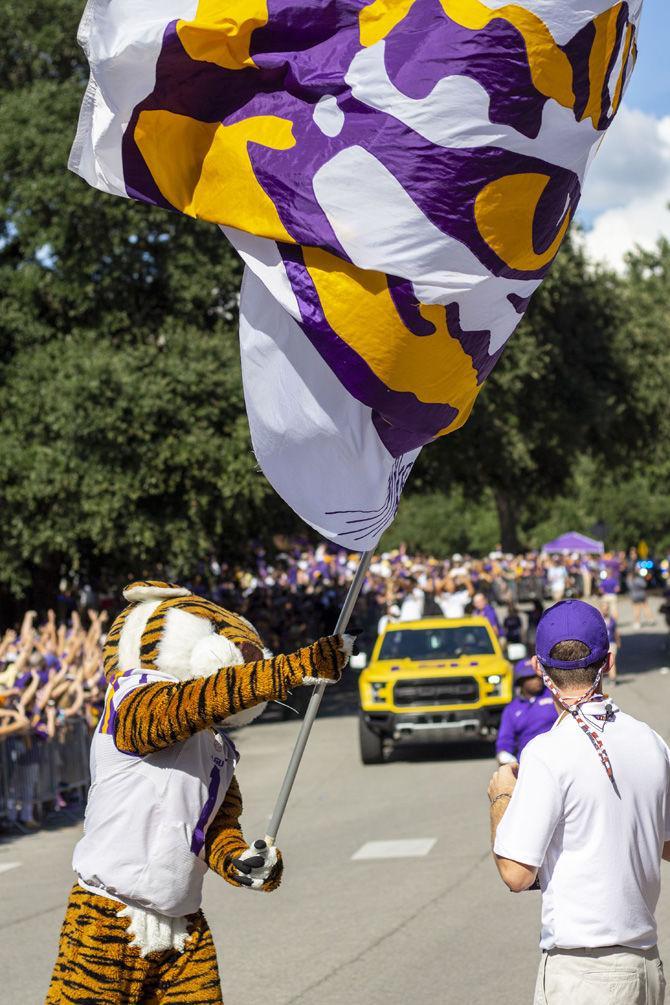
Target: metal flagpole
x=314 y=702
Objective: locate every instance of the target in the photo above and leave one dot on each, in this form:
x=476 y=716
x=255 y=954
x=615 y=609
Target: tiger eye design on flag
x=398 y=176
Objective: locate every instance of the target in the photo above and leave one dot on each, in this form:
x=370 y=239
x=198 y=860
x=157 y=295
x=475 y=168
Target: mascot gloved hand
x=164 y=805
x=258 y=868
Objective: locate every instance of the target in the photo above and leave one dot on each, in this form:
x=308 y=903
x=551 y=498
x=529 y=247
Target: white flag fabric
x=398 y=177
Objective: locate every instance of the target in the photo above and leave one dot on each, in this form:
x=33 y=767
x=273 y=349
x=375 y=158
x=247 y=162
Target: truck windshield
x=436 y=643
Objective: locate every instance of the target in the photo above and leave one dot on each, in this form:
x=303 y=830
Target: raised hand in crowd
x=8 y=640
x=13 y=721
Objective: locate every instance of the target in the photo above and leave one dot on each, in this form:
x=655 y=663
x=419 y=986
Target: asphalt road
x=437 y=928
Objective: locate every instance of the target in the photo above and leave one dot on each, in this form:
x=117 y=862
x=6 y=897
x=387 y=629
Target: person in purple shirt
x=483 y=609
x=610 y=581
x=530 y=713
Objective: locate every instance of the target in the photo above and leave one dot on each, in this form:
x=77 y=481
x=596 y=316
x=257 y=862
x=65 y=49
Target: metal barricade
x=4 y=778
x=74 y=743
x=36 y=773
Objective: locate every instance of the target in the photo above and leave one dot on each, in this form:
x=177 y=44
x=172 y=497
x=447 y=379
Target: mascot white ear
x=211 y=653
x=208 y=656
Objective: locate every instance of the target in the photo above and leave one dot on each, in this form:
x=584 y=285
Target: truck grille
x=444 y=691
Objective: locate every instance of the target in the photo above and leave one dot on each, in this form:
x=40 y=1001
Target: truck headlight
x=375 y=691
x=495 y=683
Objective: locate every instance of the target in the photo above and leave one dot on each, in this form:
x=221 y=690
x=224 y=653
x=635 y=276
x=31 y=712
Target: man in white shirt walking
x=590 y=817
x=412 y=606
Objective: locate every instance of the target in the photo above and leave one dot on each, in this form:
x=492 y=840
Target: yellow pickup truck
x=432 y=680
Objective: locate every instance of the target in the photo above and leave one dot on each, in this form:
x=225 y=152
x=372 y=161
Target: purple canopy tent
x=572 y=541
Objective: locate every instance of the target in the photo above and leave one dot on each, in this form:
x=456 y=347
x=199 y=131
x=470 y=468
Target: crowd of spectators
x=50 y=681
x=51 y=672
x=293 y=594
x=296 y=594
x=51 y=668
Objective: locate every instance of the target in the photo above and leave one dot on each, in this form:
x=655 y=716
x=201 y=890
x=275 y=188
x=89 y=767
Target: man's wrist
x=501 y=795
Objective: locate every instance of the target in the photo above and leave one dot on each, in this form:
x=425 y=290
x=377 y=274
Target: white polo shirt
x=598 y=849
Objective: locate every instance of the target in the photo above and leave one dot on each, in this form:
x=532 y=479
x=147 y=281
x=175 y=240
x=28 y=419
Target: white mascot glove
x=255 y=865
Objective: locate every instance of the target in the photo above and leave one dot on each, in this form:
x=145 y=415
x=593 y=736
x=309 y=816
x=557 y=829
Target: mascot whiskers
x=164 y=805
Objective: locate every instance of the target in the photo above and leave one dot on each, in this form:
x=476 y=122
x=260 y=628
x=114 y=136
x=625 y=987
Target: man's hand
x=516 y=875
x=259 y=867
x=503 y=781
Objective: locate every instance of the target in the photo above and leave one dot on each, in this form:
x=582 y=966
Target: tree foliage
x=565 y=386
x=123 y=437
x=571 y=432
x=124 y=440
x=127 y=457
x=443 y=523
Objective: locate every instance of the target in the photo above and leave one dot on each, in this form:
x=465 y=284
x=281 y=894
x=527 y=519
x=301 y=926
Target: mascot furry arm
x=159 y=715
x=226 y=850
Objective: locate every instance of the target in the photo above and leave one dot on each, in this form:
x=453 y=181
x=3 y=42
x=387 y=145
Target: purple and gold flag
x=398 y=177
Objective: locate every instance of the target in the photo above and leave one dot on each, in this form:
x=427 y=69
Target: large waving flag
x=398 y=177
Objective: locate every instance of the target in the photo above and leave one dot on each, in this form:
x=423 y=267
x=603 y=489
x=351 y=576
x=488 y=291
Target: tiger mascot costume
x=164 y=805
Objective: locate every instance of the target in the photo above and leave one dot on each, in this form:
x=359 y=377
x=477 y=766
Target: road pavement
x=436 y=928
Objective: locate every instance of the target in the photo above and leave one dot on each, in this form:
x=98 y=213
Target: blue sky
x=649 y=88
x=627 y=192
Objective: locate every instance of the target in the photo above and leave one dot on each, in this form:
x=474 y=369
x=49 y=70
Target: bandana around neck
x=590 y=723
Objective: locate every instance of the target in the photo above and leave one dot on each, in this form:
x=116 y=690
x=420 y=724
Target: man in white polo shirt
x=590 y=817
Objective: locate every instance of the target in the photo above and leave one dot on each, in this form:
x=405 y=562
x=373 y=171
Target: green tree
x=72 y=257
x=128 y=459
x=441 y=524
x=122 y=429
x=124 y=440
x=562 y=387
x=647 y=339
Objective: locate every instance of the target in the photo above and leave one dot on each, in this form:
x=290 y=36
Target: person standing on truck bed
x=589 y=813
x=530 y=713
x=483 y=609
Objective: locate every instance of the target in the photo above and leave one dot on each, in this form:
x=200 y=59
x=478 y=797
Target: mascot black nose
x=260 y=845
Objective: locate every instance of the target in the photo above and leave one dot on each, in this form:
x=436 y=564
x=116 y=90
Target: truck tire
x=372 y=746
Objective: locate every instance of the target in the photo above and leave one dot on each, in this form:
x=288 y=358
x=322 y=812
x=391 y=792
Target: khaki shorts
x=612 y=975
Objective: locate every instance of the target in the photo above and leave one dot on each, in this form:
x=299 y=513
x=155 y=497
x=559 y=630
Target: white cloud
x=627 y=192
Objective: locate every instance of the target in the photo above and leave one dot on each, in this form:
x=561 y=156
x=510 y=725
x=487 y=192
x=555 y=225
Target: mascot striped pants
x=96 y=964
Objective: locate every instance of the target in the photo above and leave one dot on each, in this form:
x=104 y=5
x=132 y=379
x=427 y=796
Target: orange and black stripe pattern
x=151 y=636
x=224 y=842
x=158 y=715
x=238 y=631
x=153 y=584
x=110 y=651
x=96 y=964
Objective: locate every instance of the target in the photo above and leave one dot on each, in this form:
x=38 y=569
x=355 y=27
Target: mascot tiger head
x=169 y=630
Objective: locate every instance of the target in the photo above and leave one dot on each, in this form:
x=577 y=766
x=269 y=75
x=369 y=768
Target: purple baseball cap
x=571 y=620
x=522 y=670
